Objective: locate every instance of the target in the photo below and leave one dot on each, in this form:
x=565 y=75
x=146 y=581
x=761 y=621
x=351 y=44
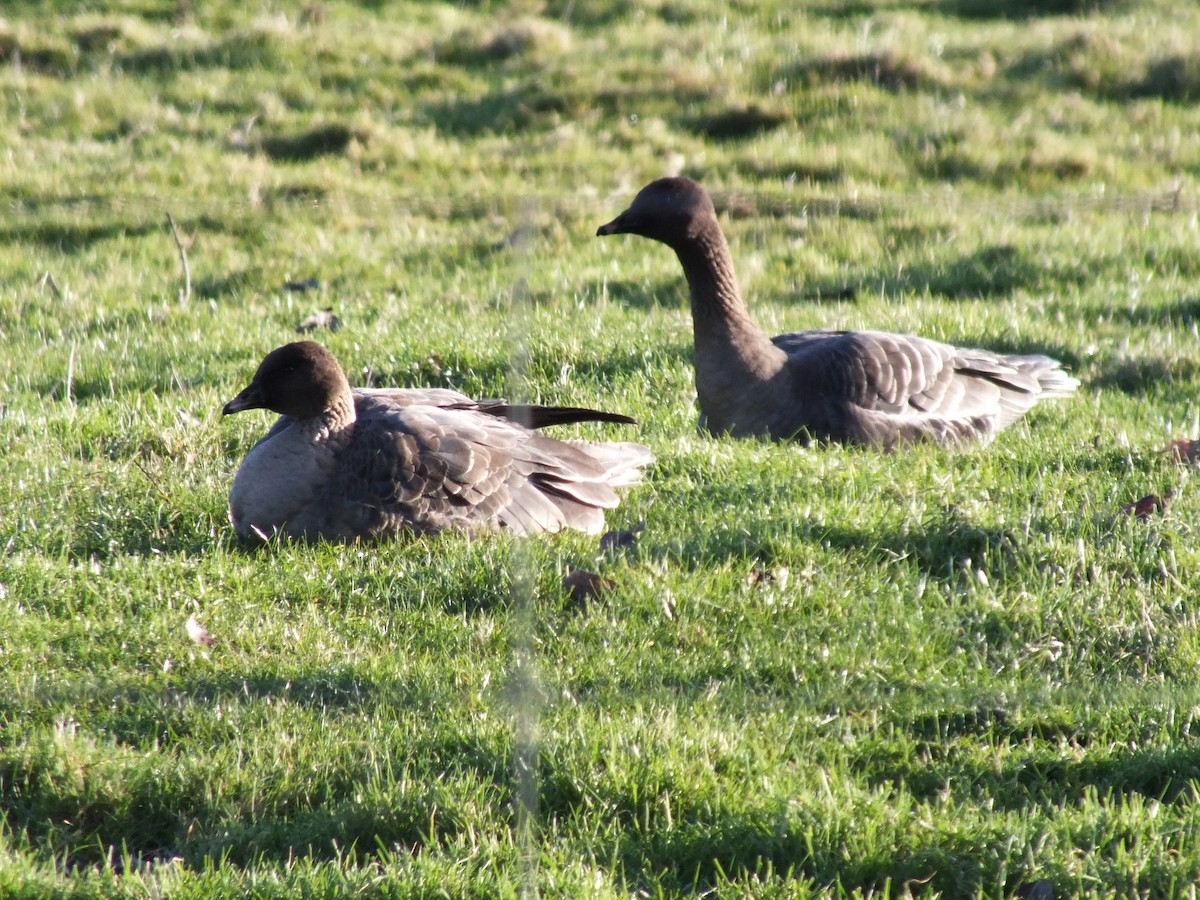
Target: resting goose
x=857 y=387
x=343 y=464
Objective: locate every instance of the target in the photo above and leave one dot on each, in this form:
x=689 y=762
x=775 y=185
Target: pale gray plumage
x=344 y=464
x=862 y=387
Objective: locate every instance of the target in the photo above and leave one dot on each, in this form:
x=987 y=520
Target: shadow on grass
x=537 y=104
x=529 y=106
x=141 y=712
x=461 y=372
x=985 y=272
x=1161 y=773
x=322 y=140
x=155 y=804
x=149 y=821
x=1150 y=376
x=717 y=848
x=1170 y=314
x=1029 y=778
x=990 y=272
x=793 y=172
x=889 y=70
x=657 y=829
x=1098 y=67
x=1173 y=79
x=670 y=836
x=736 y=122
x=76 y=236
x=331 y=690
x=644 y=295
x=224 y=285
x=993 y=272
x=72 y=237
x=946 y=548
x=142 y=528
x=1022 y=9
x=973 y=9
x=950 y=547
x=344 y=829
x=242 y=50
x=55 y=62
x=106 y=45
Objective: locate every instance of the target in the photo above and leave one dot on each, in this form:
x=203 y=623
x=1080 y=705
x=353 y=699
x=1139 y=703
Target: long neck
x=737 y=366
x=724 y=335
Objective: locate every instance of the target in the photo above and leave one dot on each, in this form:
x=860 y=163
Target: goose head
x=673 y=211
x=302 y=380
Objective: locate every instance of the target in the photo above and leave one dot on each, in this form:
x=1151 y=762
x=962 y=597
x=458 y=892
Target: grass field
x=822 y=671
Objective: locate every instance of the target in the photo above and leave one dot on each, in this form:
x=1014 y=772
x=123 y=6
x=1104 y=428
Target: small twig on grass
x=48 y=281
x=70 y=385
x=186 y=294
x=150 y=478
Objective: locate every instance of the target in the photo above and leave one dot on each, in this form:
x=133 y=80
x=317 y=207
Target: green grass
x=822 y=672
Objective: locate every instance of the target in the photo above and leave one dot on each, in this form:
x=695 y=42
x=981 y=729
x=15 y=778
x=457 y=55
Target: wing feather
x=878 y=387
x=415 y=466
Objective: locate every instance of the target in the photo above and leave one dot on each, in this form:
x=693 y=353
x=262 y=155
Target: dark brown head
x=670 y=210
x=301 y=379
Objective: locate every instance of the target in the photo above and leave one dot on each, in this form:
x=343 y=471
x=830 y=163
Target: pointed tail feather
x=532 y=415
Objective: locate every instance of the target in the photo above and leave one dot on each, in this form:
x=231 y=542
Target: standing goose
x=343 y=464
x=859 y=387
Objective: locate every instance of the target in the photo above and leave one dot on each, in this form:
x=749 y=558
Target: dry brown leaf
x=1043 y=889
x=1150 y=504
x=582 y=586
x=1184 y=452
x=621 y=539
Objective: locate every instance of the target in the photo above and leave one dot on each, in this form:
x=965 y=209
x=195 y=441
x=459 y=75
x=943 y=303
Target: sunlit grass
x=821 y=671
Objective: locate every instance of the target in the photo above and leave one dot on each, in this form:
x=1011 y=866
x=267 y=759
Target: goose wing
x=531 y=415
x=425 y=468
x=881 y=387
